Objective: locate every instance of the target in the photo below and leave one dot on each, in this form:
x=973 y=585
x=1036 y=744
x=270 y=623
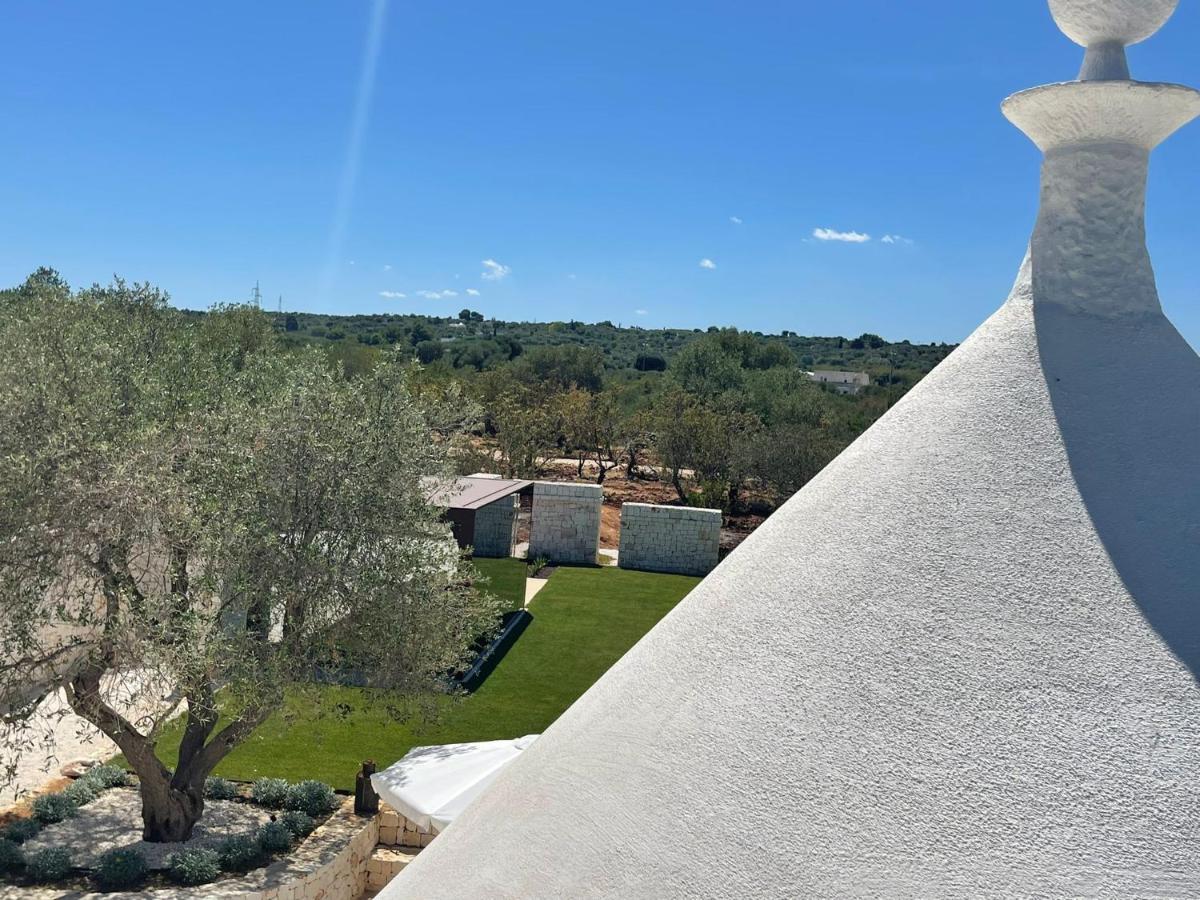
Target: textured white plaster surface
x=1088 y=22
x=962 y=662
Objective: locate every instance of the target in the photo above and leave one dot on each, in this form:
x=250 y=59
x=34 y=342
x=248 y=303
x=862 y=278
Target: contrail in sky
x=358 y=133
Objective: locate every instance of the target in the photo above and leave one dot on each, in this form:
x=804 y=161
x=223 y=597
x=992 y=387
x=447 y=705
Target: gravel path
x=114 y=819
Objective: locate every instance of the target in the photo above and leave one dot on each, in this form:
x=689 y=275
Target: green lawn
x=584 y=621
x=506 y=579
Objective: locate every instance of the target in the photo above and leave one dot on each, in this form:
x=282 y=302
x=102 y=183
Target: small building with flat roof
x=482 y=510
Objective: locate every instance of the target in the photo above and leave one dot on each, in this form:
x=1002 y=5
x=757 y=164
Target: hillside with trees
x=726 y=418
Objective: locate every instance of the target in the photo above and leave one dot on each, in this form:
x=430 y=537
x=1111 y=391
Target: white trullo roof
x=963 y=660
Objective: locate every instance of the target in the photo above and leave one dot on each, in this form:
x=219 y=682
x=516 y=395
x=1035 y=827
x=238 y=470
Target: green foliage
x=650 y=362
x=429 y=351
x=300 y=824
x=584 y=620
x=270 y=792
x=275 y=837
x=45 y=866
x=11 y=857
x=192 y=867
x=219 y=789
x=241 y=853
x=198 y=440
x=107 y=776
x=81 y=791
x=51 y=808
x=121 y=870
x=21 y=830
x=312 y=797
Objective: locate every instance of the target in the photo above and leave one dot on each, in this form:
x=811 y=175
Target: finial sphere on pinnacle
x=1090 y=22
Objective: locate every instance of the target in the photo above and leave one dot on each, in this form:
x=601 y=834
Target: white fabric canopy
x=432 y=785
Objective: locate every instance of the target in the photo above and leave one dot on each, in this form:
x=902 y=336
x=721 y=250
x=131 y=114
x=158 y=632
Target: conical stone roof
x=963 y=660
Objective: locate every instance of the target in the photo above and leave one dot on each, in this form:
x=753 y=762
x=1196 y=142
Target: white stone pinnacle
x=1089 y=245
x=1106 y=28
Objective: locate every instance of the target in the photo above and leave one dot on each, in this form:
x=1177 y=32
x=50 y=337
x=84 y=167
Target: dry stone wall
x=566 y=522
x=496 y=527
x=669 y=539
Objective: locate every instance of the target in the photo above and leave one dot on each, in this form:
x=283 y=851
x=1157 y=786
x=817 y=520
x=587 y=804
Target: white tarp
x=432 y=785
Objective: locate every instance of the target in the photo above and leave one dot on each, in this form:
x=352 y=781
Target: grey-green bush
x=11 y=857
x=51 y=808
x=241 y=853
x=192 y=867
x=298 y=823
x=269 y=792
x=21 y=830
x=81 y=792
x=106 y=776
x=219 y=789
x=312 y=797
x=275 y=837
x=53 y=864
x=121 y=869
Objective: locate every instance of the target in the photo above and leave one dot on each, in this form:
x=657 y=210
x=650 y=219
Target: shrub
x=81 y=792
x=219 y=789
x=52 y=864
x=240 y=854
x=106 y=776
x=192 y=867
x=275 y=837
x=312 y=797
x=270 y=792
x=11 y=857
x=51 y=808
x=121 y=869
x=21 y=830
x=298 y=823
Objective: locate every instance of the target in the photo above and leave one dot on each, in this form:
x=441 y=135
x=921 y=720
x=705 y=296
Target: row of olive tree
x=197 y=519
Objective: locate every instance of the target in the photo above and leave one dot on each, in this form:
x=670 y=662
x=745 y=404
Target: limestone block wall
x=669 y=538
x=496 y=527
x=565 y=526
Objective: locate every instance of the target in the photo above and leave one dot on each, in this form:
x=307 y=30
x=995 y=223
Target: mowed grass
x=584 y=621
x=506 y=579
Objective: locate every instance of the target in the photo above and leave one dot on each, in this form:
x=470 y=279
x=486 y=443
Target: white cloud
x=472 y=292
x=641 y=312
x=392 y=295
x=494 y=271
x=736 y=220
x=707 y=263
x=437 y=295
x=896 y=239
x=845 y=237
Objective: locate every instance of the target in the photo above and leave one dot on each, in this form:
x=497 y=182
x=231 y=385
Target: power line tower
x=257 y=296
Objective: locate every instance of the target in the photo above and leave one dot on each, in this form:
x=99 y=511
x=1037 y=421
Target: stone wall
x=566 y=522
x=669 y=538
x=496 y=527
x=331 y=864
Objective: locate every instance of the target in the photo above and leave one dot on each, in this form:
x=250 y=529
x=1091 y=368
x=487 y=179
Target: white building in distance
x=963 y=660
x=842 y=382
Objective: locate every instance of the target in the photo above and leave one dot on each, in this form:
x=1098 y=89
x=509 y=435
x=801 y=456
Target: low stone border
x=331 y=864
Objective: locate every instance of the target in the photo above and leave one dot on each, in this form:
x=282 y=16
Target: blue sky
x=343 y=155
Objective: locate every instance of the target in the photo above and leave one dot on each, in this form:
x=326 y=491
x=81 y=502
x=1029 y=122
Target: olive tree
x=191 y=519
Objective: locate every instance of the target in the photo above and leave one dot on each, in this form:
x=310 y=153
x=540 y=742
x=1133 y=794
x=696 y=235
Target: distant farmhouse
x=842 y=382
